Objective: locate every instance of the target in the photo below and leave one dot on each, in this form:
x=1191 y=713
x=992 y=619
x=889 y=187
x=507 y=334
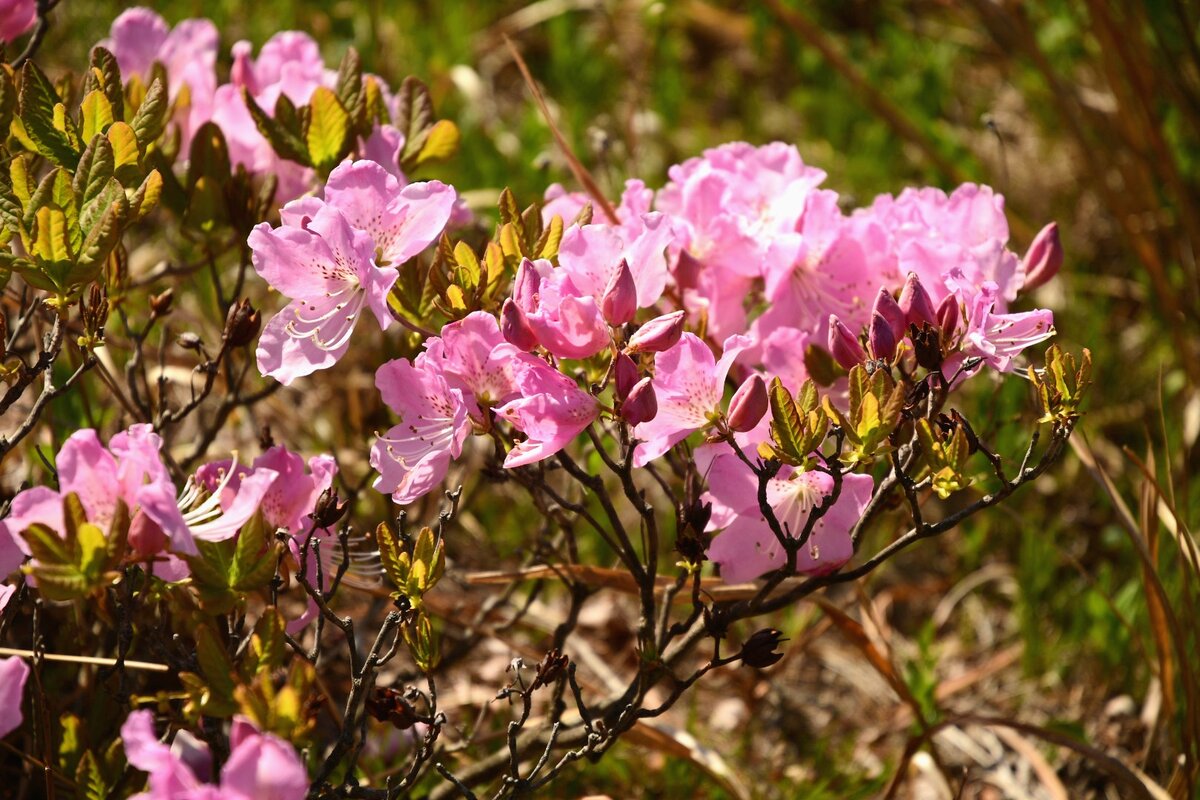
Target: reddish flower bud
x=515 y=328
x=241 y=74
x=687 y=271
x=625 y=375
x=641 y=405
x=947 y=315
x=619 y=302
x=887 y=307
x=1044 y=258
x=916 y=303
x=145 y=537
x=843 y=345
x=242 y=324
x=749 y=404
x=880 y=339
x=660 y=333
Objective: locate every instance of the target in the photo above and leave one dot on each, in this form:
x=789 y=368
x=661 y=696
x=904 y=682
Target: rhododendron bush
x=711 y=398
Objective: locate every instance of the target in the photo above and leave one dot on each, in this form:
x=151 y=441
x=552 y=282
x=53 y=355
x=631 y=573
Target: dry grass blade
x=577 y=169
x=681 y=744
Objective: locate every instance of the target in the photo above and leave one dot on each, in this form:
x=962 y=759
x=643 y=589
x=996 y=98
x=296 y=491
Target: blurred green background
x=1081 y=111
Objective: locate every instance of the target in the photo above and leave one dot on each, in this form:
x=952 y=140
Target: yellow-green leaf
x=328 y=129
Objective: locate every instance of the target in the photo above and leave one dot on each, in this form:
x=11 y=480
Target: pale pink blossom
x=139 y=38
x=260 y=766
x=997 y=338
x=290 y=498
x=746 y=547
x=565 y=320
x=473 y=356
x=16 y=17
x=432 y=423
x=13 y=674
x=689 y=382
x=933 y=233
x=328 y=269
x=591 y=254
x=551 y=411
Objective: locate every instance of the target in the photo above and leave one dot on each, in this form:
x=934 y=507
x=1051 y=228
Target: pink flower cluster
x=166 y=524
x=744 y=244
x=289 y=64
x=259 y=765
x=338 y=257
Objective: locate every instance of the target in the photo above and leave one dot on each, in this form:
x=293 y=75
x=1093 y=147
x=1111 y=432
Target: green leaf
x=46 y=546
x=328 y=130
x=97 y=114
x=93 y=552
x=102 y=238
x=52 y=245
x=38 y=101
x=548 y=242
x=106 y=76
x=8 y=98
x=208 y=155
x=126 y=154
x=441 y=142
x=146 y=197
x=151 y=117
x=284 y=142
x=255 y=557
x=217 y=670
x=350 y=90
x=414 y=118
x=97 y=166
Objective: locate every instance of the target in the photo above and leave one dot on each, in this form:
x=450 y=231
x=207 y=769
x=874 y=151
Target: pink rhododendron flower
x=401 y=220
x=746 y=547
x=473 y=356
x=140 y=37
x=995 y=337
x=384 y=146
x=328 y=269
x=130 y=470
x=689 y=382
x=432 y=424
x=728 y=206
x=933 y=233
x=13 y=674
x=290 y=498
x=566 y=320
x=551 y=411
x=831 y=264
x=260 y=766
x=16 y=17
x=6 y=593
x=289 y=64
x=590 y=254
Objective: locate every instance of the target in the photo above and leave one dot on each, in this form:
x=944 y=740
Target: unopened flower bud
x=880 y=339
x=625 y=375
x=515 y=327
x=641 y=405
x=916 y=303
x=550 y=668
x=660 y=333
x=146 y=538
x=687 y=271
x=749 y=404
x=328 y=511
x=619 y=302
x=188 y=341
x=947 y=316
x=242 y=324
x=1044 y=257
x=927 y=346
x=161 y=304
x=241 y=74
x=887 y=307
x=844 y=345
x=759 y=651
